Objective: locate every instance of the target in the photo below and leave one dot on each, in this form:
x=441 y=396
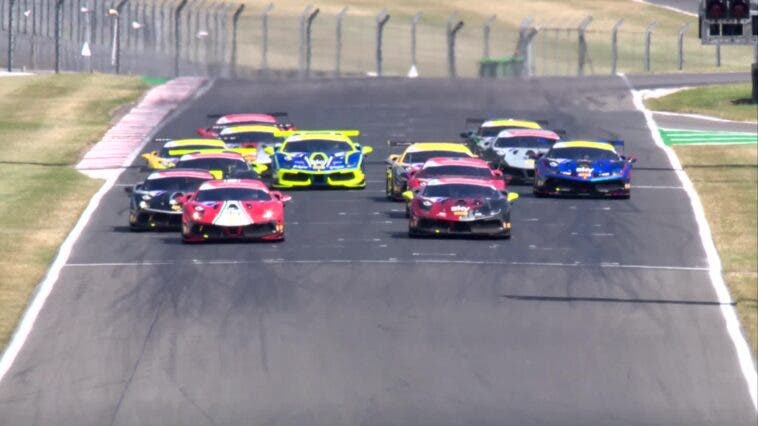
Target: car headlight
x=604 y=174
x=146 y=197
x=353 y=159
x=143 y=204
x=268 y=214
x=197 y=215
x=425 y=204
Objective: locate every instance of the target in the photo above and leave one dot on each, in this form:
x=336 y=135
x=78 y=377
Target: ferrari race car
x=233 y=209
x=250 y=136
x=325 y=159
x=459 y=206
x=485 y=132
x=583 y=168
x=399 y=166
x=153 y=203
x=222 y=165
x=172 y=150
x=471 y=168
x=278 y=119
x=513 y=151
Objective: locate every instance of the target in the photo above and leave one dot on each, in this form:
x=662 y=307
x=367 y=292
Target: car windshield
x=581 y=153
x=232 y=194
x=245 y=137
x=225 y=164
x=423 y=156
x=460 y=190
x=431 y=172
x=178 y=151
x=317 y=145
x=524 y=142
x=493 y=131
x=180 y=184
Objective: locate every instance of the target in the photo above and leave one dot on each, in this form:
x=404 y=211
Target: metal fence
x=200 y=37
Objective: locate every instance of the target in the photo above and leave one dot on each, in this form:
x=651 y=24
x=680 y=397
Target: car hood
x=318 y=161
x=464 y=209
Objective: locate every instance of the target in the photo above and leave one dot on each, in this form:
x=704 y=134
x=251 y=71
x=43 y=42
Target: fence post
x=264 y=36
x=718 y=53
x=235 y=24
x=524 y=45
x=177 y=35
x=57 y=35
x=86 y=47
x=414 y=60
x=453 y=26
x=648 y=36
x=301 y=54
x=308 y=44
x=116 y=48
x=582 y=43
x=338 y=42
x=615 y=45
x=487 y=29
x=680 y=45
x=381 y=20
x=10 y=34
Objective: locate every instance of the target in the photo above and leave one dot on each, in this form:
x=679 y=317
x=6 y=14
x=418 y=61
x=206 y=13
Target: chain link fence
x=200 y=37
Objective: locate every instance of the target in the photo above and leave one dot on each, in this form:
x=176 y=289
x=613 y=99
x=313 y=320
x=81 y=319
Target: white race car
x=514 y=151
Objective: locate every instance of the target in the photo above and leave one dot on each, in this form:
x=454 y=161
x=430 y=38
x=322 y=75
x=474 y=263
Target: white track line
x=728 y=311
x=46 y=286
x=604 y=265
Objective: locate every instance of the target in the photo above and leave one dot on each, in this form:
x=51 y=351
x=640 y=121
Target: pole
x=264 y=36
x=453 y=26
x=414 y=24
x=680 y=45
x=11 y=3
x=235 y=23
x=381 y=20
x=487 y=29
x=88 y=35
x=614 y=45
x=338 y=42
x=177 y=35
x=301 y=53
x=582 y=43
x=116 y=51
x=648 y=36
x=57 y=35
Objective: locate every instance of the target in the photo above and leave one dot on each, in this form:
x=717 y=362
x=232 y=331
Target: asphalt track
x=596 y=312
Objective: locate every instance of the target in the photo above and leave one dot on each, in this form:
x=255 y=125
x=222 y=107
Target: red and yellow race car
x=233 y=210
x=278 y=119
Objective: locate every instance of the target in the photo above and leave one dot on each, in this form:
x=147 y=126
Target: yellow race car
x=318 y=158
x=172 y=150
x=414 y=156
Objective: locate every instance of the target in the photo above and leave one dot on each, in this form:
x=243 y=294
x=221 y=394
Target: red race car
x=459 y=206
x=472 y=168
x=278 y=119
x=233 y=210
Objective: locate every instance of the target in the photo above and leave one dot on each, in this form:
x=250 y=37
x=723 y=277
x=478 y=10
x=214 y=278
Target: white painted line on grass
x=45 y=287
x=728 y=311
x=701 y=117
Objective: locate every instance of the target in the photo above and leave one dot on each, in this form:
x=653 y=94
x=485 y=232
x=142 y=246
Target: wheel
x=388 y=189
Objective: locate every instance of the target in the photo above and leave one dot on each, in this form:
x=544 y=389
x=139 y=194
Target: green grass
x=46 y=123
x=726 y=178
x=729 y=101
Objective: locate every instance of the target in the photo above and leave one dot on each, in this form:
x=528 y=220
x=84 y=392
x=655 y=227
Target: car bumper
x=337 y=179
x=154 y=219
x=524 y=175
x=604 y=188
x=493 y=227
x=196 y=232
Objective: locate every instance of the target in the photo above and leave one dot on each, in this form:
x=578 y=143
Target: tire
x=388 y=189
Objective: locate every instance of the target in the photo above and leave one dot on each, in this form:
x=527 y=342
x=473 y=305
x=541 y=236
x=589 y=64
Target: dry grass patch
x=46 y=123
x=726 y=178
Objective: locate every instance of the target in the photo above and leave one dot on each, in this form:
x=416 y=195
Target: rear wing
x=474 y=123
x=618 y=144
x=399 y=141
x=543 y=123
x=344 y=132
x=560 y=132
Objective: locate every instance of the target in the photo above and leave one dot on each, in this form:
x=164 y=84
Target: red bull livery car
x=233 y=210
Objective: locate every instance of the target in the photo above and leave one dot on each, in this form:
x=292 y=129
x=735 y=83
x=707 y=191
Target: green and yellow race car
x=172 y=150
x=318 y=158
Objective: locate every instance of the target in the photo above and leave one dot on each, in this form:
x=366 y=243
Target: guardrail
x=201 y=37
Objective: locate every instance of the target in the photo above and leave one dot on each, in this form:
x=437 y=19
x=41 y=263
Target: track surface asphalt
x=596 y=312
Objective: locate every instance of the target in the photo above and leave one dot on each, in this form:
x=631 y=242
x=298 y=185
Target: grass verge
x=728 y=101
x=726 y=179
x=46 y=123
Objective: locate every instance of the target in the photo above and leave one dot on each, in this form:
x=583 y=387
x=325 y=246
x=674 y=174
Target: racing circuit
x=595 y=312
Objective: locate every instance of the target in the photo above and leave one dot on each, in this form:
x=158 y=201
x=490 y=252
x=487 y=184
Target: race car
x=222 y=165
x=399 y=166
x=278 y=119
x=250 y=136
x=583 y=168
x=233 y=210
x=471 y=168
x=325 y=159
x=481 y=137
x=459 y=206
x=512 y=152
x=172 y=150
x=153 y=204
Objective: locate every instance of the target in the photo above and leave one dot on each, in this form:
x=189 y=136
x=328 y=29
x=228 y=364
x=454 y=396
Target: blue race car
x=583 y=168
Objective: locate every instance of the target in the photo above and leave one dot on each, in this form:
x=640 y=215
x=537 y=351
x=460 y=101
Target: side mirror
x=535 y=155
x=269 y=150
x=392 y=159
x=512 y=196
x=408 y=195
x=367 y=150
x=128 y=189
x=281 y=197
x=465 y=135
x=631 y=160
